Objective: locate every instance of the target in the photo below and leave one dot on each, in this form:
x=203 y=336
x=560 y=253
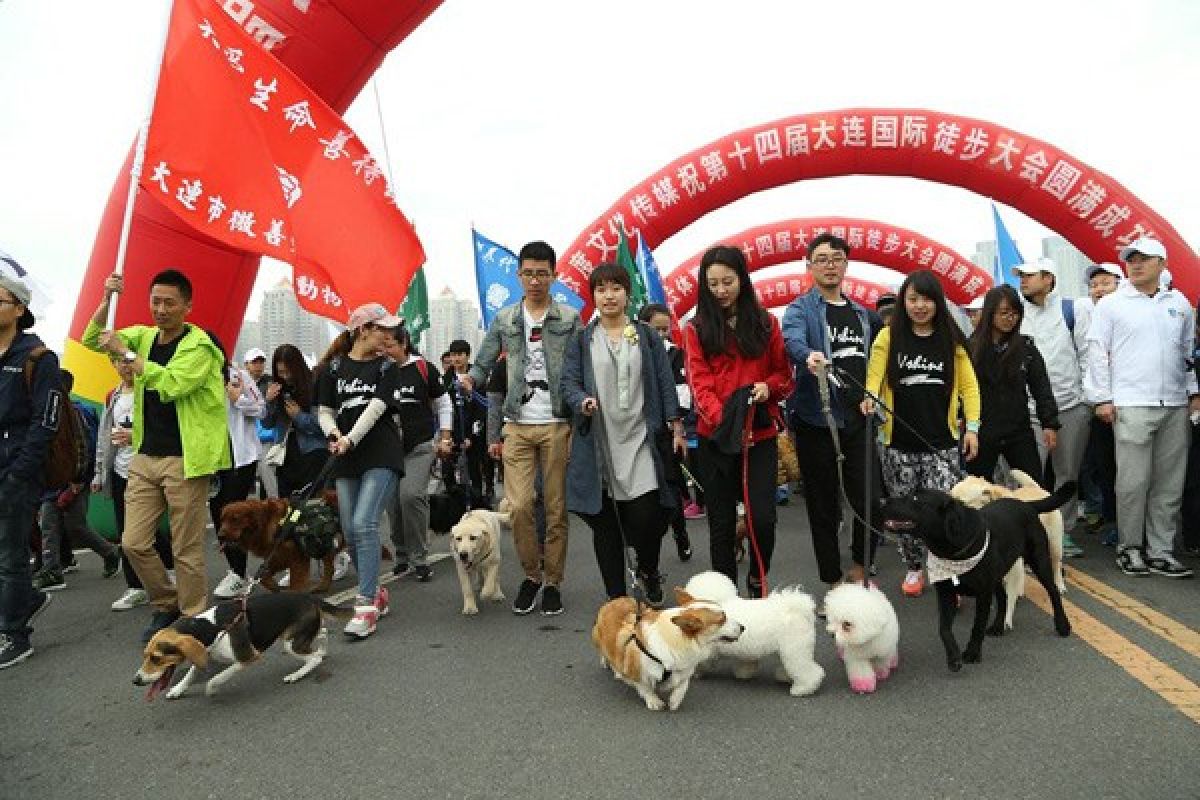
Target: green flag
x=415 y=309
x=625 y=260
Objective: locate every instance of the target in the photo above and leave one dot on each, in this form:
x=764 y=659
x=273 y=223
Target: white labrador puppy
x=475 y=546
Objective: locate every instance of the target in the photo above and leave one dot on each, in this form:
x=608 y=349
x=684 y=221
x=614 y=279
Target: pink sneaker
x=381 y=601
x=366 y=615
x=693 y=511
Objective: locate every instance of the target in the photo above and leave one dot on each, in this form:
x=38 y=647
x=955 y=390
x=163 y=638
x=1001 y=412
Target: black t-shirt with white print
x=847 y=348
x=347 y=386
x=410 y=400
x=921 y=396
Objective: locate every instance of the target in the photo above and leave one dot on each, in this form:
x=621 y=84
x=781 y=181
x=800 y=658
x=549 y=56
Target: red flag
x=243 y=151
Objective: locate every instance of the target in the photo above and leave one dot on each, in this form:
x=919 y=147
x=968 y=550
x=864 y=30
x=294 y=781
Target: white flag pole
x=135 y=175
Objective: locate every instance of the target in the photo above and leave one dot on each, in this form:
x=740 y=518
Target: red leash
x=747 y=442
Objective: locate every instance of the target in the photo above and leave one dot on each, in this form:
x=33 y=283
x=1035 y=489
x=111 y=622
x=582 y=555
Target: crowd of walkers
x=634 y=424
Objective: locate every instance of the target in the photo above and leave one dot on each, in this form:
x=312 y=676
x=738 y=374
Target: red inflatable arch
x=870 y=241
x=1085 y=206
x=780 y=290
x=334 y=46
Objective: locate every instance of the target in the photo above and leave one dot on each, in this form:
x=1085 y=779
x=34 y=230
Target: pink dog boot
x=863 y=685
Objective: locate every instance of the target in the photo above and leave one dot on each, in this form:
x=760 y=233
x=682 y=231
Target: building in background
x=1072 y=265
x=451 y=318
x=282 y=321
x=985 y=256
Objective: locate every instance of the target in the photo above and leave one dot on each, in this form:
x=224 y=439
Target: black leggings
x=235 y=485
x=162 y=539
x=723 y=490
x=1019 y=450
x=644 y=521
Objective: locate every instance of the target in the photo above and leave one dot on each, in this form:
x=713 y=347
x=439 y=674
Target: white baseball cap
x=1041 y=264
x=1106 y=266
x=254 y=354
x=1145 y=245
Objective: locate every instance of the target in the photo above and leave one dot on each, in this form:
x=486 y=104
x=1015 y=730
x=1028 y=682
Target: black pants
x=644 y=521
x=722 y=481
x=1191 y=493
x=1104 y=448
x=235 y=486
x=822 y=496
x=1019 y=450
x=162 y=539
x=298 y=470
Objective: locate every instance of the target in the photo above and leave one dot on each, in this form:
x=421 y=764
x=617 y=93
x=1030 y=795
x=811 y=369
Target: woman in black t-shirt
x=355 y=389
x=422 y=408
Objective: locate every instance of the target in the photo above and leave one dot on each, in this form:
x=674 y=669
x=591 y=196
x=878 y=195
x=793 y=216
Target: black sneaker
x=40 y=601
x=551 y=601
x=1130 y=562
x=401 y=569
x=423 y=572
x=158 y=621
x=112 y=563
x=653 y=585
x=683 y=545
x=70 y=566
x=14 y=650
x=49 y=580
x=527 y=597
x=1168 y=567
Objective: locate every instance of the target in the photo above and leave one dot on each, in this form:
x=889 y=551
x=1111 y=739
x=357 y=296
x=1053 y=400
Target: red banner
x=1086 y=207
x=870 y=241
x=244 y=152
x=780 y=290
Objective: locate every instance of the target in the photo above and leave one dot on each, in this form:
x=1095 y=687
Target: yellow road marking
x=1156 y=676
x=1156 y=622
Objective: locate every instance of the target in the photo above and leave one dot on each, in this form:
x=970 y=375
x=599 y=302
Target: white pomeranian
x=783 y=623
x=864 y=626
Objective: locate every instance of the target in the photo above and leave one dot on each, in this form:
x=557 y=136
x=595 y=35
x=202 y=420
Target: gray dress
x=618 y=368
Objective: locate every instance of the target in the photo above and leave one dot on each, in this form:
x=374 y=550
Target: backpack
x=67 y=457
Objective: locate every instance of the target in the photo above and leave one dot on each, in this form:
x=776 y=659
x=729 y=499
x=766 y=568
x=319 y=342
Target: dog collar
x=944 y=569
x=646 y=652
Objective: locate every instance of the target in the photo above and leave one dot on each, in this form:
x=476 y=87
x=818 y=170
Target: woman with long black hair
x=735 y=353
x=1007 y=364
x=919 y=367
x=291 y=406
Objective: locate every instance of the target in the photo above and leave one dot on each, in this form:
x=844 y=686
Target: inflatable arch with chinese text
x=332 y=45
x=779 y=290
x=1086 y=207
x=870 y=241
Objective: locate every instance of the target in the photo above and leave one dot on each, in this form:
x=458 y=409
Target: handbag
x=277 y=453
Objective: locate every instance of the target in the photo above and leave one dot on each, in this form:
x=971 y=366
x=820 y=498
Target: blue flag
x=1007 y=254
x=496 y=276
x=650 y=274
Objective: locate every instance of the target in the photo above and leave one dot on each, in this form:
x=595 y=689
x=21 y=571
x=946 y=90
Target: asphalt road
x=440 y=705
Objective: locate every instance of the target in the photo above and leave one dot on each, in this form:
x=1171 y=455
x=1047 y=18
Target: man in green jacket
x=180 y=439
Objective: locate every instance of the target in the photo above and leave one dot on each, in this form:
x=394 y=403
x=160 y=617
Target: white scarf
x=942 y=569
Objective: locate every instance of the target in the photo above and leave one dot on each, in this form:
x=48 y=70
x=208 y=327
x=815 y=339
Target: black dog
x=992 y=537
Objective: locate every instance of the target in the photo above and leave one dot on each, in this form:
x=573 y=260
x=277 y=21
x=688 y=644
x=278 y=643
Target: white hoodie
x=1048 y=328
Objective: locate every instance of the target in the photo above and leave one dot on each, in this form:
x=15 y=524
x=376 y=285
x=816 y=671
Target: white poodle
x=864 y=626
x=783 y=623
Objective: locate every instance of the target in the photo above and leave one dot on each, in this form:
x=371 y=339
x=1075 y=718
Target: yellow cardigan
x=966 y=387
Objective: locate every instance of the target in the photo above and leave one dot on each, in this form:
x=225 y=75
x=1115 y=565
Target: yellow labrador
x=475 y=546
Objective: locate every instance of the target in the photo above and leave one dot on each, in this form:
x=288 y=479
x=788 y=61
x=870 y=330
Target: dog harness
x=944 y=569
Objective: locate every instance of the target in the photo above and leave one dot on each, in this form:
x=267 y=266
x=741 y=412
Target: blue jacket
x=307 y=431
x=28 y=421
x=660 y=404
x=805 y=330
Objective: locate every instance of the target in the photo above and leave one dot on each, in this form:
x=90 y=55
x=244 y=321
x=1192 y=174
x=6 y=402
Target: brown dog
x=252 y=525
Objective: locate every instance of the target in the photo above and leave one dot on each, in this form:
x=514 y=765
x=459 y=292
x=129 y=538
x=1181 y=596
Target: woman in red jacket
x=734 y=344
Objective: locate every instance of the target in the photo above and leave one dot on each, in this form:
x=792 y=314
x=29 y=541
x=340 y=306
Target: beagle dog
x=237 y=632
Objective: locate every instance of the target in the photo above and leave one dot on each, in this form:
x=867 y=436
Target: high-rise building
x=1072 y=265
x=282 y=321
x=985 y=256
x=451 y=318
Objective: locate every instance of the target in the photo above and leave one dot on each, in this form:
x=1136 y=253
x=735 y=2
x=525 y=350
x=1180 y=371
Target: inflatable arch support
x=870 y=241
x=334 y=46
x=1083 y=205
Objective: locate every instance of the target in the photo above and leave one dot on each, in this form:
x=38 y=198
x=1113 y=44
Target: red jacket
x=714 y=380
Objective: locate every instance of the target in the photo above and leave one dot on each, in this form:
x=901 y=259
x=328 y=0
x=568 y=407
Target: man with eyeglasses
x=536 y=432
x=1141 y=380
x=824 y=328
x=1050 y=321
x=29 y=418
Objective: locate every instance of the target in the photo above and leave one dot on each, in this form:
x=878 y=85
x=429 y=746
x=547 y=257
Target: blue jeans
x=16 y=589
x=360 y=504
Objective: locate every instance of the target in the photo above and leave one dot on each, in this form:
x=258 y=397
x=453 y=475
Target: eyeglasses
x=1008 y=314
x=540 y=275
x=825 y=261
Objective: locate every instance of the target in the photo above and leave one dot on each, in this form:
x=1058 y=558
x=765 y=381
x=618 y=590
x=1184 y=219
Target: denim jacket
x=507 y=333
x=805 y=330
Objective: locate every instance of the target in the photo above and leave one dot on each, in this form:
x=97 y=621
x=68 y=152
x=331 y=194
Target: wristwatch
x=129 y=357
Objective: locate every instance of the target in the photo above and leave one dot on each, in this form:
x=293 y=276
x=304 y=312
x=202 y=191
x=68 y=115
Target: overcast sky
x=530 y=117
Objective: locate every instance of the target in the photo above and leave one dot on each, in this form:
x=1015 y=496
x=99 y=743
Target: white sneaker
x=232 y=585
x=341 y=565
x=286 y=580
x=366 y=614
x=131 y=599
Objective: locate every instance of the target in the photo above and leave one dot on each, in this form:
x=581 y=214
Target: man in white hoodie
x=1049 y=319
x=1141 y=380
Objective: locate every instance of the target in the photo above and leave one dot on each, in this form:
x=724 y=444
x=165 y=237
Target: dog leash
x=747 y=443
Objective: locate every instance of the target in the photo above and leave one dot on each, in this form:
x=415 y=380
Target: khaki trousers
x=157 y=484
x=526 y=447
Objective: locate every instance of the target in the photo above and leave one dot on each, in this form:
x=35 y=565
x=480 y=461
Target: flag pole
x=135 y=175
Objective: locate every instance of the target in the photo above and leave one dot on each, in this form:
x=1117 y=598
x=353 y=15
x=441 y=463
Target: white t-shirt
x=535 y=403
x=122 y=418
